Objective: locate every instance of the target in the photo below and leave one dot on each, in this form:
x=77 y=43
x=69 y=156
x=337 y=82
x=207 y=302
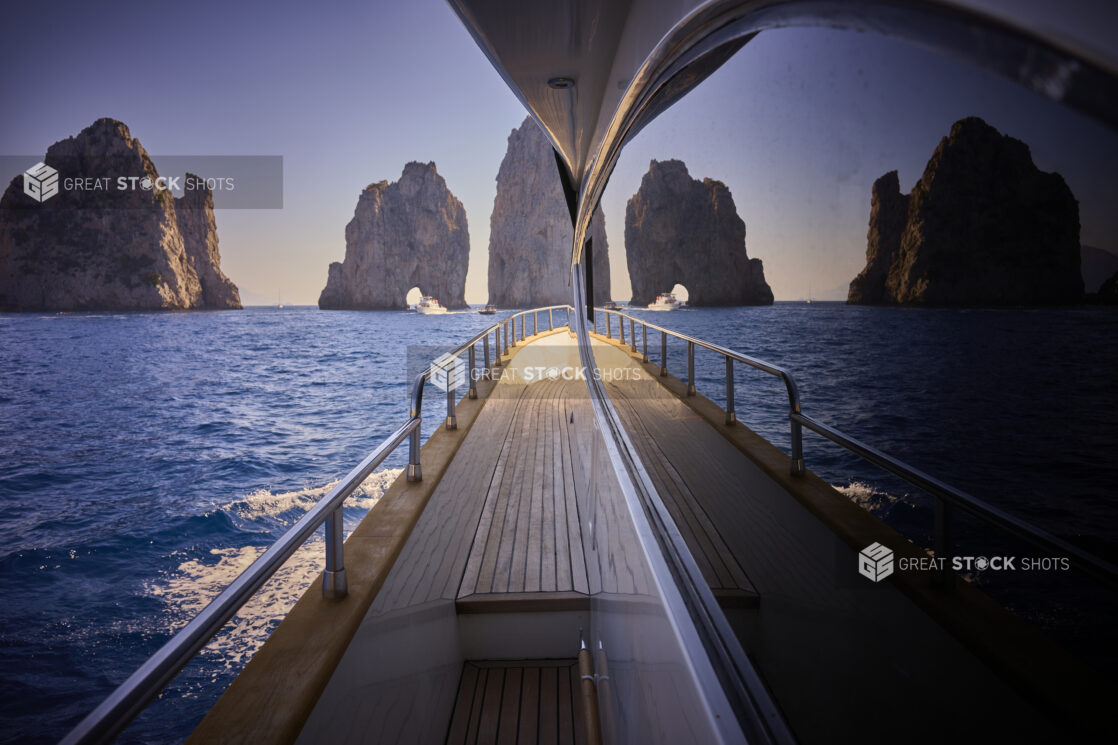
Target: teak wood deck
x=499 y=552
x=518 y=703
x=510 y=496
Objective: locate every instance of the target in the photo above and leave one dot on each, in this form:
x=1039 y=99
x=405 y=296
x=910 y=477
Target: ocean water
x=147 y=458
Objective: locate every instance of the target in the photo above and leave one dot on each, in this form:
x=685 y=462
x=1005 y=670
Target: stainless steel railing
x=946 y=497
x=129 y=699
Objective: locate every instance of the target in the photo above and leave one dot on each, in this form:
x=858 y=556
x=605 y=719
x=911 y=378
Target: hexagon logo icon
x=40 y=182
x=448 y=373
x=875 y=562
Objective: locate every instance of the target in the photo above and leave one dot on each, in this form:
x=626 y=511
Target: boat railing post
x=644 y=342
x=485 y=352
x=451 y=394
x=632 y=335
x=797 y=465
x=663 y=354
x=523 y=327
x=535 y=322
x=415 y=471
x=609 y=332
x=550 y=320
x=473 y=374
x=943 y=577
x=334 y=585
x=621 y=330
x=510 y=343
x=690 y=368
x=731 y=415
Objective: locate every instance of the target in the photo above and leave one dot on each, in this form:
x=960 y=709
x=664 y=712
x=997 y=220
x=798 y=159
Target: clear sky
x=798 y=124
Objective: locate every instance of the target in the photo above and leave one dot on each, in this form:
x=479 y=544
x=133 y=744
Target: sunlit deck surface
x=502 y=536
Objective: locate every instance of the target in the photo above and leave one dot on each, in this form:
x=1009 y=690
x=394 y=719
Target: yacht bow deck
x=498 y=567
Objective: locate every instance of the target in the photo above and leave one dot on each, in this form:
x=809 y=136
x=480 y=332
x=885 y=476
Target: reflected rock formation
x=679 y=230
x=983 y=226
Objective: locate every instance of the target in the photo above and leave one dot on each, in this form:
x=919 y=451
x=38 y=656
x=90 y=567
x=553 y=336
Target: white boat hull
x=431 y=311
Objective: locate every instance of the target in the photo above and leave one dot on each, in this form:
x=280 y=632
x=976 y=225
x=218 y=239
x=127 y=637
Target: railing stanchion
x=797 y=465
x=609 y=332
x=485 y=352
x=550 y=321
x=415 y=471
x=644 y=342
x=621 y=330
x=535 y=322
x=943 y=577
x=731 y=415
x=632 y=334
x=690 y=368
x=451 y=394
x=663 y=354
x=473 y=376
x=334 y=585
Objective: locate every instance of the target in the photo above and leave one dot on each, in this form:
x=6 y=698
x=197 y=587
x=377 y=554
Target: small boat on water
x=665 y=301
x=429 y=306
x=611 y=306
x=489 y=310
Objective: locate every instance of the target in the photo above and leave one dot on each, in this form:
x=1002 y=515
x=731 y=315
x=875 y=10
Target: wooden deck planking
x=650 y=423
x=517 y=701
x=521 y=544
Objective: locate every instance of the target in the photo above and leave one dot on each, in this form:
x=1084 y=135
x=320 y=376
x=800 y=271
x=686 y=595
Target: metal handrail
x=797 y=462
x=946 y=496
x=106 y=721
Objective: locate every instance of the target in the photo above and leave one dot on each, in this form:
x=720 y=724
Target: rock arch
x=682 y=230
x=411 y=233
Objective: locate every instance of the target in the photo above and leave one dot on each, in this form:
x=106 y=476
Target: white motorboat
x=665 y=301
x=429 y=306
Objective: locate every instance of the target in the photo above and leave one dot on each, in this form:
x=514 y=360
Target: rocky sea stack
x=679 y=230
x=411 y=233
x=983 y=226
x=530 y=230
x=109 y=248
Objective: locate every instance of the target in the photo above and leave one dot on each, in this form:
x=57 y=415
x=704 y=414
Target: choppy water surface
x=149 y=458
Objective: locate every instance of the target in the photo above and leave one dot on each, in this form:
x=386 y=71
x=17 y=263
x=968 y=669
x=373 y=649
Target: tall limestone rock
x=679 y=230
x=411 y=233
x=195 y=211
x=983 y=226
x=888 y=216
x=530 y=230
x=106 y=248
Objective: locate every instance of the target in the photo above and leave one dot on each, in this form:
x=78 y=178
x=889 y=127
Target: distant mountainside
x=983 y=226
x=1097 y=266
x=530 y=230
x=679 y=230
x=410 y=233
x=108 y=248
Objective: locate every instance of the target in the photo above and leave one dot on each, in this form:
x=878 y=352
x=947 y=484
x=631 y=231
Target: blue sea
x=147 y=458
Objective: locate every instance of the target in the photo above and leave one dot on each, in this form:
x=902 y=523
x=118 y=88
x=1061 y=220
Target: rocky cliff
x=411 y=233
x=983 y=226
x=106 y=248
x=530 y=229
x=685 y=231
